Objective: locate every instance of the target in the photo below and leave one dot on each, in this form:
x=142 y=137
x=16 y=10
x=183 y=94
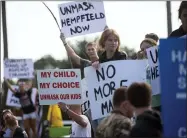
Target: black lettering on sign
x=85 y=106
x=110 y=72
x=155 y=58
x=14 y=101
x=81 y=18
x=79 y=29
x=122 y=83
x=76 y=8
x=107 y=90
x=154 y=72
x=106 y=107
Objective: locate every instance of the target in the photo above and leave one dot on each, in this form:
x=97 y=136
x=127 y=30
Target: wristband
x=67 y=110
x=65 y=44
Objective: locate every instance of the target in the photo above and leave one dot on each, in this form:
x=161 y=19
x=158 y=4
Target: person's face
x=145 y=46
x=28 y=85
x=111 y=43
x=21 y=85
x=91 y=51
x=184 y=19
x=6 y=114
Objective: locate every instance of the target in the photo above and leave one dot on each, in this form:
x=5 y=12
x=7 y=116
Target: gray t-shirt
x=84 y=63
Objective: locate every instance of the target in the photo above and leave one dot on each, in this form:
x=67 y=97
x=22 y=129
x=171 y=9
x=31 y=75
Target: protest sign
x=110 y=76
x=86 y=103
x=14 y=101
x=18 y=68
x=59 y=85
x=80 y=18
x=172 y=59
x=152 y=55
x=11 y=99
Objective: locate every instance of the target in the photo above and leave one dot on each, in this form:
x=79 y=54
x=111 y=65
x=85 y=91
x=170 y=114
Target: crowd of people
x=132 y=116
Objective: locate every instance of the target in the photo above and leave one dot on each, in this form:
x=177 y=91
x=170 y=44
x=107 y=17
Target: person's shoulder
x=85 y=62
x=85 y=117
x=122 y=54
x=177 y=33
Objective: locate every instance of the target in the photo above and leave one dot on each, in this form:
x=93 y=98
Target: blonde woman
x=149 y=41
x=110 y=43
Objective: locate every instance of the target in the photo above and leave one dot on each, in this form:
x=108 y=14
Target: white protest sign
x=86 y=103
x=11 y=99
x=59 y=85
x=14 y=101
x=110 y=76
x=18 y=68
x=152 y=55
x=80 y=18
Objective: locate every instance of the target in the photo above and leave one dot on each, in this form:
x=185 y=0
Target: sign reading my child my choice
x=62 y=85
x=80 y=18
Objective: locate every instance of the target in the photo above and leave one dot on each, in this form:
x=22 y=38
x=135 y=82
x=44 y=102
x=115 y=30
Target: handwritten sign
x=80 y=18
x=18 y=68
x=86 y=103
x=59 y=85
x=14 y=101
x=11 y=99
x=110 y=76
x=152 y=54
x=172 y=58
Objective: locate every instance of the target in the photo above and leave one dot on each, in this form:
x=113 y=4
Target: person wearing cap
x=182 y=14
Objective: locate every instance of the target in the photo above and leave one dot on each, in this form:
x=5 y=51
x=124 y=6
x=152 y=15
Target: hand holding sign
x=62 y=37
x=63 y=106
x=95 y=64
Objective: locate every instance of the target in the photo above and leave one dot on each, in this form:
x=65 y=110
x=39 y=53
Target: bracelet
x=67 y=110
x=65 y=44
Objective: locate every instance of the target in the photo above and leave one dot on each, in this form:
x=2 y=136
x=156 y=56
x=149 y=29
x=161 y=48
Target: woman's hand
x=95 y=64
x=62 y=37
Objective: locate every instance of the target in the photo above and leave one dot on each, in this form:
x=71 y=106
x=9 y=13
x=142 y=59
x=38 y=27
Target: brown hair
x=151 y=38
x=105 y=36
x=2 y=121
x=139 y=94
x=120 y=95
x=11 y=121
x=183 y=6
x=91 y=43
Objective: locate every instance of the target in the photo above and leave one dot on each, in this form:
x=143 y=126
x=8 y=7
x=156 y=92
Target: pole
x=169 y=18
x=5 y=42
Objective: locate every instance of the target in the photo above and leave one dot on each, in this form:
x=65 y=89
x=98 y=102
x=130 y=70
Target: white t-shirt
x=78 y=131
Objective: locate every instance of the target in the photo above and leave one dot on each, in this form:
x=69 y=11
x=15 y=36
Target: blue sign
x=172 y=60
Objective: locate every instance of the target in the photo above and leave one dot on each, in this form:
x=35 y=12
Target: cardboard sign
x=80 y=18
x=110 y=76
x=152 y=55
x=59 y=85
x=172 y=58
x=14 y=101
x=86 y=103
x=18 y=68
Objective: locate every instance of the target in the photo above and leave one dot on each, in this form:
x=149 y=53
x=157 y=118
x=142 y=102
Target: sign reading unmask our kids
x=152 y=55
x=59 y=85
x=110 y=76
x=80 y=18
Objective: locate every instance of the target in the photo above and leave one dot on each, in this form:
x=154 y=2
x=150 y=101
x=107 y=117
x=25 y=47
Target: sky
x=33 y=33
